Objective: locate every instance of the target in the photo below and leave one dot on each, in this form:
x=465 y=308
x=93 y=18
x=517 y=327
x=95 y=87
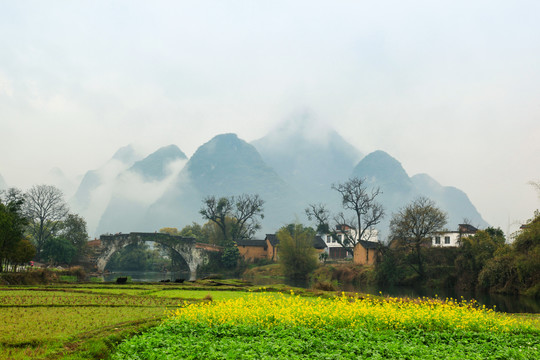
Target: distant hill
x=95 y=190
x=289 y=168
x=308 y=159
x=224 y=166
x=136 y=188
x=57 y=177
x=454 y=201
x=155 y=166
x=398 y=189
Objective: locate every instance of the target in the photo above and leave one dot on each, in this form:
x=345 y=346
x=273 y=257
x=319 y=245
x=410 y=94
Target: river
x=498 y=302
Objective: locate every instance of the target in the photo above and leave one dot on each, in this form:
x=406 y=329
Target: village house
x=336 y=251
x=365 y=252
x=252 y=250
x=453 y=238
x=268 y=248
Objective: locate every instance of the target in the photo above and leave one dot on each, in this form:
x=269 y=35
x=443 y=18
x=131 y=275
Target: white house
x=336 y=251
x=452 y=238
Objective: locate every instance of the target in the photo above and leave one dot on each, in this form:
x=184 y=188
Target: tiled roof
x=318 y=242
x=272 y=238
x=467 y=228
x=260 y=243
x=369 y=244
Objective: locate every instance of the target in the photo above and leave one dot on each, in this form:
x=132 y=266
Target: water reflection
x=146 y=276
x=498 y=302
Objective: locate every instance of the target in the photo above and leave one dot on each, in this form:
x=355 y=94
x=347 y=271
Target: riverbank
x=355 y=278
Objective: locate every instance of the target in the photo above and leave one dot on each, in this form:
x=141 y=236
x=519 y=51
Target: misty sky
x=449 y=88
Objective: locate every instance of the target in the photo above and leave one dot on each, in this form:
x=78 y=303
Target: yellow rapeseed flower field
x=269 y=310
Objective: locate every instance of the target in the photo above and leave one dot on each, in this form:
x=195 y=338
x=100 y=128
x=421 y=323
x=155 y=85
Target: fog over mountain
x=398 y=189
x=138 y=187
x=308 y=156
x=289 y=168
x=57 y=177
x=224 y=166
x=96 y=187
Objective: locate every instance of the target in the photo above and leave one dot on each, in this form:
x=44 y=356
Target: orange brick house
x=268 y=248
x=365 y=252
x=252 y=250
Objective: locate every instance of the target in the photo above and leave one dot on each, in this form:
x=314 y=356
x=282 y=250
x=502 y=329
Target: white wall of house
x=369 y=235
x=448 y=239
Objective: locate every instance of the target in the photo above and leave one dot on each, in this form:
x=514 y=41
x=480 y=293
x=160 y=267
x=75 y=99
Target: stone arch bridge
x=193 y=252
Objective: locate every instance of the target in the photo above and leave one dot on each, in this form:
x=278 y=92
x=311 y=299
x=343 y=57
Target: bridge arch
x=194 y=254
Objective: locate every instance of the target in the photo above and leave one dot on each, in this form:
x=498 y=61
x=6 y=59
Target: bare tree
x=247 y=208
x=321 y=215
x=236 y=216
x=364 y=212
x=412 y=227
x=45 y=208
x=217 y=210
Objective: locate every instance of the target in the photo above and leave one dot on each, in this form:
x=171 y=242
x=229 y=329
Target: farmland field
x=84 y=321
x=288 y=326
x=213 y=320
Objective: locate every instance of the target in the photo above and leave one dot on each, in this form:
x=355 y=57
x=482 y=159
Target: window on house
x=447 y=239
x=437 y=240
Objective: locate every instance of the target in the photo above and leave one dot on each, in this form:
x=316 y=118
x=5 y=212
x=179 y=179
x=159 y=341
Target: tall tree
x=23 y=252
x=12 y=224
x=73 y=229
x=297 y=255
x=516 y=270
x=412 y=227
x=236 y=216
x=58 y=250
x=364 y=213
x=474 y=252
x=45 y=208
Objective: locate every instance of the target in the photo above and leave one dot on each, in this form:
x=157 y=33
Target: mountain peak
x=229 y=163
x=154 y=166
x=126 y=154
x=380 y=166
x=309 y=156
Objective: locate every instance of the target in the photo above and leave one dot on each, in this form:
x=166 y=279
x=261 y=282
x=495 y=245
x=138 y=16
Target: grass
x=84 y=321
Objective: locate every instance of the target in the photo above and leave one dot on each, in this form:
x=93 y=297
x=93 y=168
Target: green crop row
x=180 y=340
x=49 y=322
x=287 y=326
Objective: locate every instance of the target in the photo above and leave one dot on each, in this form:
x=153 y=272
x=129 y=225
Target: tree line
x=37 y=225
x=483 y=261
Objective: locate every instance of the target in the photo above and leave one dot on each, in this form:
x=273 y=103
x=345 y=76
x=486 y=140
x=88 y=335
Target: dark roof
x=272 y=238
x=261 y=243
x=466 y=228
x=318 y=242
x=369 y=244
